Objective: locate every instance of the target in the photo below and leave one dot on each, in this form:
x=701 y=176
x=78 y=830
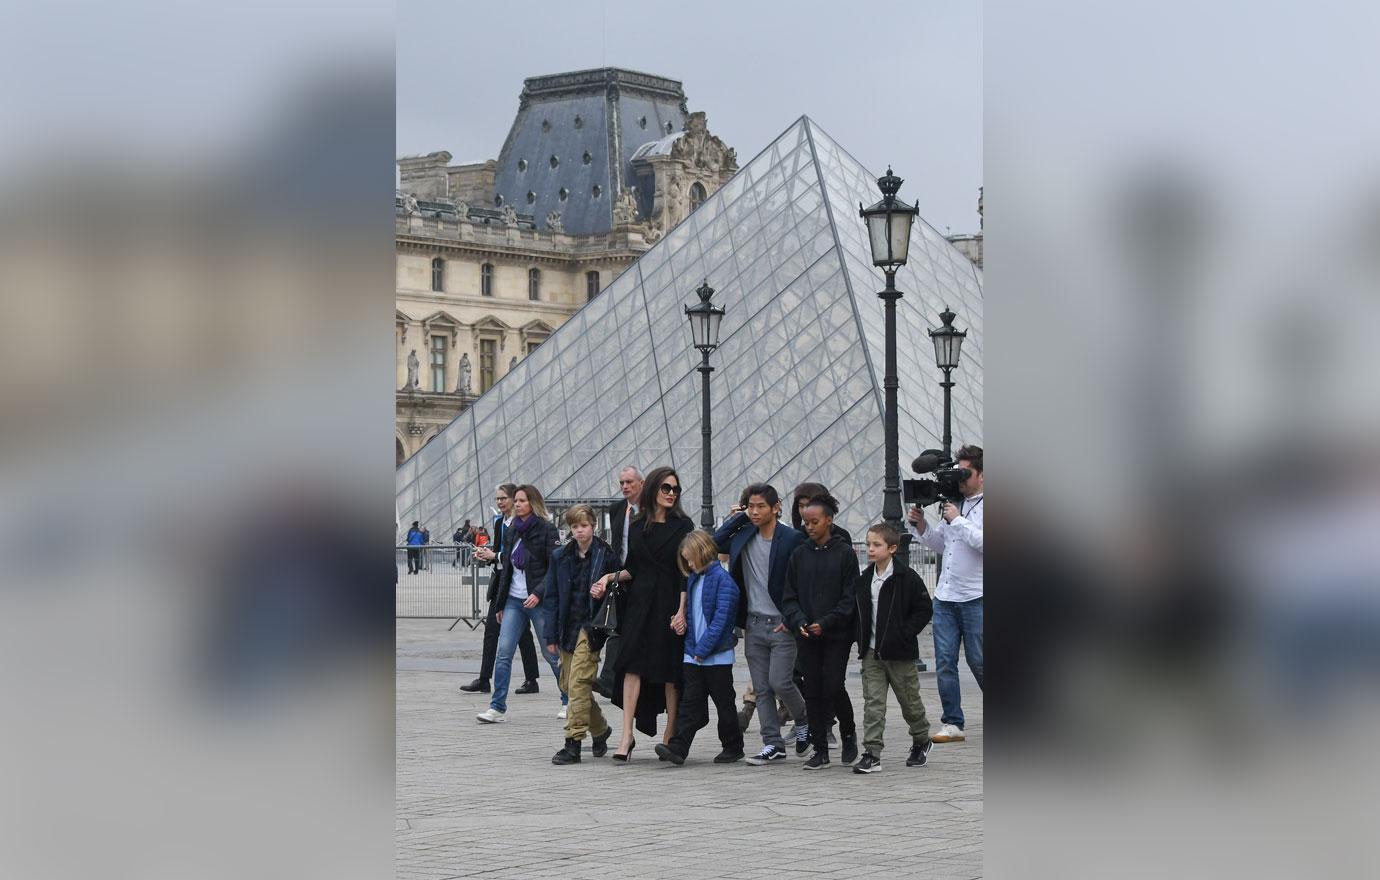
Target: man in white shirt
x=958 y=596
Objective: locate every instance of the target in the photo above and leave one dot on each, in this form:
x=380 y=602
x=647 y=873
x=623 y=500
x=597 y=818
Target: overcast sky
x=897 y=83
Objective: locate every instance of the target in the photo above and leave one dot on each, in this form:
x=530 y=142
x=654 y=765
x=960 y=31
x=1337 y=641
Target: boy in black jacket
x=893 y=607
x=818 y=606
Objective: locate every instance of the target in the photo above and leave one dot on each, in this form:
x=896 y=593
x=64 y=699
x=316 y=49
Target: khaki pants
x=903 y=679
x=578 y=671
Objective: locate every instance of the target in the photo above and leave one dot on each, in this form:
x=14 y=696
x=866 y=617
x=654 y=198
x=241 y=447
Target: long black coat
x=648 y=647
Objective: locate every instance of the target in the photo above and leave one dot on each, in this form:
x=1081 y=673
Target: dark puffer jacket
x=570 y=608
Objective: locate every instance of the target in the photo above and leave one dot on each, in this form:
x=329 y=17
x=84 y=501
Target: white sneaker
x=491 y=716
x=948 y=733
x=561 y=714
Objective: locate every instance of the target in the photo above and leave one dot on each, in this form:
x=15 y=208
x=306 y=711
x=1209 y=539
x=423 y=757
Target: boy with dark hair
x=759 y=546
x=893 y=607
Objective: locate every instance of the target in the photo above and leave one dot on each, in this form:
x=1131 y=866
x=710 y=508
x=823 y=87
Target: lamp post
x=704 y=329
x=888 y=233
x=948 y=344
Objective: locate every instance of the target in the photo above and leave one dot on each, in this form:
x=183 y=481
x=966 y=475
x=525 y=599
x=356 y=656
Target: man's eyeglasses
x=669 y=489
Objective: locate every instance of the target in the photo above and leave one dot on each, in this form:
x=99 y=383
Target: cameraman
x=958 y=596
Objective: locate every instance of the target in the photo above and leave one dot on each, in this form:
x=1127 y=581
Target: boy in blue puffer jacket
x=711 y=607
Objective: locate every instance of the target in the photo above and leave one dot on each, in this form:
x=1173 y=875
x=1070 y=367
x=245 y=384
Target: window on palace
x=591 y=285
x=534 y=284
x=438 y=363
x=486 y=279
x=438 y=274
x=697 y=195
x=488 y=358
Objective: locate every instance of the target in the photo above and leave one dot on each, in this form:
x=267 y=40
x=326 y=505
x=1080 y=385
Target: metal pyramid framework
x=797 y=389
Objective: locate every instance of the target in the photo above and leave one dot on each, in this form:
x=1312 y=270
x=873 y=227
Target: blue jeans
x=952 y=620
x=515 y=620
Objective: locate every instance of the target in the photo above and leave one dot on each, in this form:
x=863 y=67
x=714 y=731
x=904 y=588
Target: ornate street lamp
x=704 y=330
x=948 y=344
x=888 y=232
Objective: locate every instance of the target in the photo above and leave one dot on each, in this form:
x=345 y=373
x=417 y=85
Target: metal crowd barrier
x=451 y=584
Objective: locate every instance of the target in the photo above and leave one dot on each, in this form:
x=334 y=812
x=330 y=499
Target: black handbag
x=606 y=618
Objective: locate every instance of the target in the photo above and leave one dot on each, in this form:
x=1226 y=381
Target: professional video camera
x=944 y=486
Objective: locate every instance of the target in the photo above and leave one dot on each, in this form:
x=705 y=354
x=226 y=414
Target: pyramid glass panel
x=796 y=391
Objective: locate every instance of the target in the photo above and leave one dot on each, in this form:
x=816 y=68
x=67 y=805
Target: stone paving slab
x=485 y=801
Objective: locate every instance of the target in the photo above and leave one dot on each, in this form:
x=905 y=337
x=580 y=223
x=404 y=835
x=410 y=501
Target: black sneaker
x=919 y=755
x=849 y=754
x=818 y=761
x=728 y=756
x=868 y=764
x=570 y=754
x=478 y=686
x=802 y=740
x=600 y=747
x=528 y=687
x=768 y=755
x=664 y=753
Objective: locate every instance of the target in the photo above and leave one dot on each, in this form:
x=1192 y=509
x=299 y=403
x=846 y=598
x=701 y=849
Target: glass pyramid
x=797 y=388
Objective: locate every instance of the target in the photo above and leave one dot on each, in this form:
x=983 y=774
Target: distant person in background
x=415 y=540
x=463 y=535
x=426 y=539
x=481 y=537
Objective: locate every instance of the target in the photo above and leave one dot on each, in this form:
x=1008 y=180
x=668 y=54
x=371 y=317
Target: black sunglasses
x=670 y=489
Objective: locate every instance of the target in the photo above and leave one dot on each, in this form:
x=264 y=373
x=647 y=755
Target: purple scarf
x=520 y=526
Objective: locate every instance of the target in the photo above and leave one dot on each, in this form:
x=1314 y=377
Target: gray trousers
x=771 y=663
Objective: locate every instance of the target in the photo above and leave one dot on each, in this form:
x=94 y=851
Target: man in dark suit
x=493 y=555
x=622 y=514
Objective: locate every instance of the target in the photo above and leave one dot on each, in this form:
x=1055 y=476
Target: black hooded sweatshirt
x=819 y=589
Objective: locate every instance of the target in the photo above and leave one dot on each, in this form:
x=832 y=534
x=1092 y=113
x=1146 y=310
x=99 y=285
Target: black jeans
x=414 y=560
x=526 y=647
x=702 y=684
x=823 y=664
x=843 y=704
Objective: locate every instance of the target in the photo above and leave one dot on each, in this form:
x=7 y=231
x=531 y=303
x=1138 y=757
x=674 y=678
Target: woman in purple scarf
x=521 y=584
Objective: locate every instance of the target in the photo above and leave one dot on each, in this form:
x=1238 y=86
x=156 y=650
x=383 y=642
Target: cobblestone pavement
x=485 y=801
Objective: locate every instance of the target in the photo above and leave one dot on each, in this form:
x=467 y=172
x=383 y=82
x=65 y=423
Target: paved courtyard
x=484 y=800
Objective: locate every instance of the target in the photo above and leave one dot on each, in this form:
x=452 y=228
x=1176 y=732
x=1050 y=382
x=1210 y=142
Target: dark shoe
x=528 y=687
x=802 y=740
x=768 y=755
x=623 y=758
x=664 y=753
x=568 y=755
x=868 y=764
x=818 y=761
x=478 y=686
x=920 y=755
x=745 y=716
x=728 y=756
x=849 y=754
x=601 y=744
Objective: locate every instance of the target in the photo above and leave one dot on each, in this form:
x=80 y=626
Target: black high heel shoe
x=624 y=758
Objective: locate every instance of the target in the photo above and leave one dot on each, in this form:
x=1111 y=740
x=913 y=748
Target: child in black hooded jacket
x=818 y=605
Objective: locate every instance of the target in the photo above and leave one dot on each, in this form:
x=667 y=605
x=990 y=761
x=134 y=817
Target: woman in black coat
x=653 y=612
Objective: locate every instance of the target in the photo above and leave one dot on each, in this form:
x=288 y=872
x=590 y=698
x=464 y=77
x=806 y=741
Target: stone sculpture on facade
x=553 y=222
x=512 y=363
x=509 y=213
x=703 y=151
x=410 y=206
x=414 y=367
x=465 y=378
x=625 y=208
x=462 y=210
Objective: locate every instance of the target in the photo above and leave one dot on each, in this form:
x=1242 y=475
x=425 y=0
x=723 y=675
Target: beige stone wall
x=463 y=316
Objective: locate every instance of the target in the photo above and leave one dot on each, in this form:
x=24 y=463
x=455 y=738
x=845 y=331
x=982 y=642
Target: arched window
x=534 y=284
x=697 y=195
x=486 y=279
x=591 y=285
x=438 y=274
